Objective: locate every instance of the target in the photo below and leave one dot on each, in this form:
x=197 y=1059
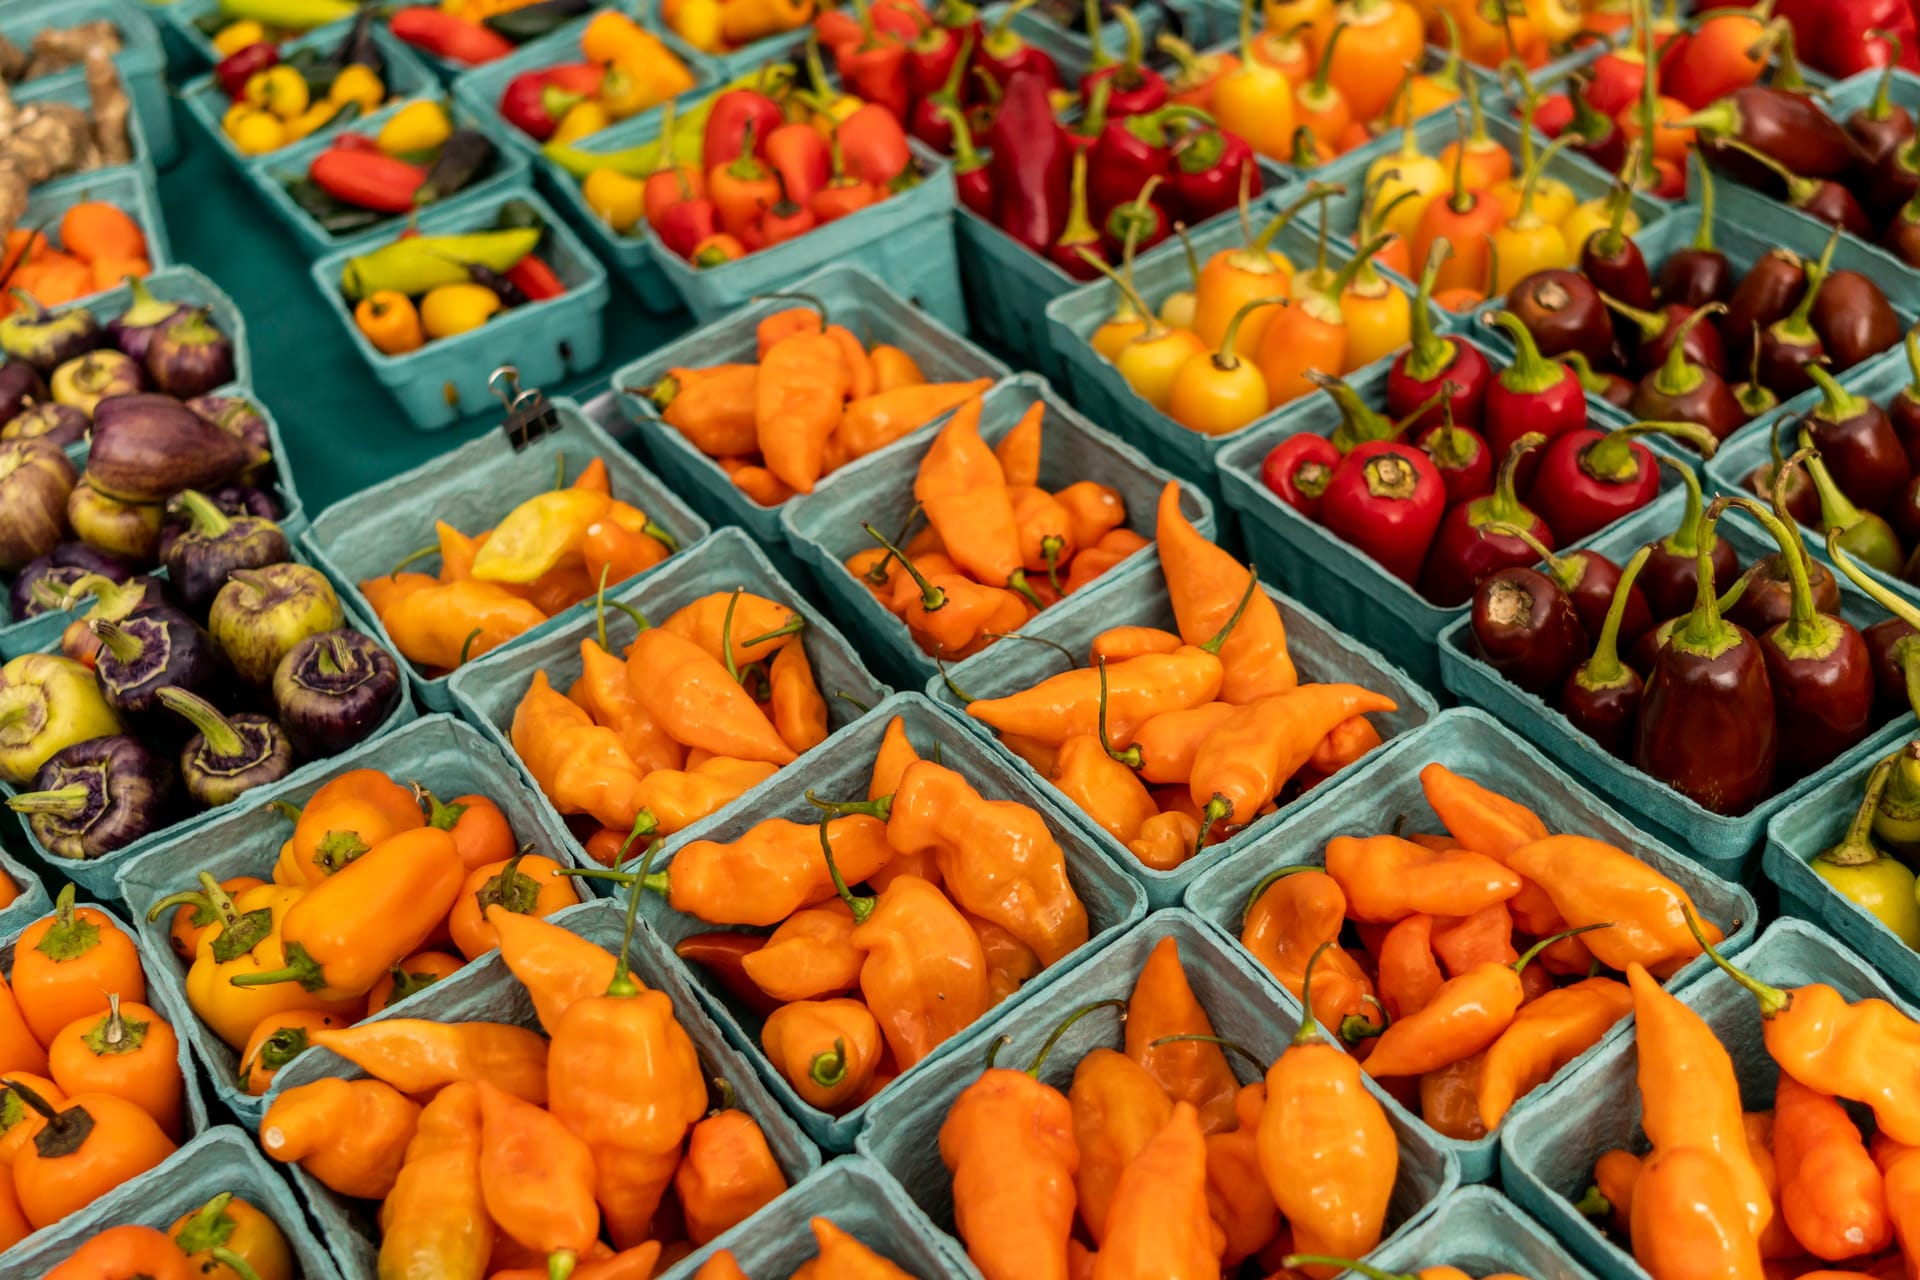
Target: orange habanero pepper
x=695 y=698
x=1289 y=916
x=810 y=954
x=1245 y=761
x=1832 y=1195
x=798 y=401
x=1546 y=1035
x=418 y=1056
x=925 y=975
x=1193 y=1071
x=828 y=1050
x=963 y=491
x=1591 y=881
x=125 y=1253
x=556 y=966
x=1117 y=1108
x=1159 y=1227
x=1688 y=1219
x=727 y=1174
x=536 y=1176
x=1207 y=587
x=434 y=1223
x=712 y=407
x=1387 y=879
x=578 y=765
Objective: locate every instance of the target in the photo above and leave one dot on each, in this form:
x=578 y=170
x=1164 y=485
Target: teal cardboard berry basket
x=439 y=753
x=1729 y=844
x=906 y=1118
x=842 y=770
x=472 y=488
x=1320 y=654
x=488 y=991
x=141 y=62
x=1482 y=1233
x=31 y=899
x=1547 y=1153
x=549 y=341
x=824 y=528
x=852 y=296
x=1388 y=783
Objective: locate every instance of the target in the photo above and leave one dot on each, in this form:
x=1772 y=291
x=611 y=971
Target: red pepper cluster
x=1132 y=165
x=1839 y=36
x=775 y=164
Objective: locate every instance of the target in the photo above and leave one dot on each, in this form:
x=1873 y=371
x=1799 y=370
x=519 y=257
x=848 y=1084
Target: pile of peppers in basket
x=503 y=1150
x=1484 y=949
x=967 y=898
x=267 y=970
x=276 y=101
x=767 y=163
x=547 y=554
x=1431 y=508
x=814 y=399
x=1725 y=686
x=472 y=32
x=89 y=1073
x=415 y=159
x=965 y=578
x=702 y=706
x=625 y=70
x=226 y=1234
x=1170 y=741
x=1821 y=1183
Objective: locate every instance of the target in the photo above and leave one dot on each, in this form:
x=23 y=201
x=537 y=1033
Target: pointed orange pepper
x=1237 y=1195
x=1831 y=1192
x=1159 y=1228
x=350 y=1134
x=1409 y=971
x=578 y=765
x=536 y=1176
x=1086 y=773
x=1243 y=764
x=771 y=871
x=1019 y=450
x=1487 y=822
x=1169 y=741
x=418 y=1056
x=697 y=700
x=1117 y=1108
x=799 y=712
x=875 y=421
x=1096 y=510
x=1206 y=586
x=1138 y=689
x=727 y=1174
x=798 y=399
x=1546 y=1035
x=557 y=966
x=713 y=407
x=1289 y=916
x=891 y=760
x=434 y=1224
x=810 y=954
x=1687 y=1218
x=759 y=626
x=1193 y=1071
x=1117 y=644
x=1591 y=881
x=1387 y=879
x=963 y=491
x=925 y=975
x=610 y=701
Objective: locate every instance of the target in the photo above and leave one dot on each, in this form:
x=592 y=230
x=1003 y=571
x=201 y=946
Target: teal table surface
x=342 y=430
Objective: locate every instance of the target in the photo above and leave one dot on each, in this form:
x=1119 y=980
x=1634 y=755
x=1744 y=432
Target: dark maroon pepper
x=1818 y=198
x=1670 y=578
x=1682 y=390
x=1882 y=126
x=1766 y=293
x=1699 y=273
x=1465 y=550
x=1778 y=123
x=1563 y=312
x=1854 y=320
x=1601 y=696
x=1526 y=628
x=1612 y=260
x=1858 y=443
x=1790 y=344
x=1616 y=389
x=1768 y=599
x=1657 y=330
x=1798 y=497
x=1904 y=409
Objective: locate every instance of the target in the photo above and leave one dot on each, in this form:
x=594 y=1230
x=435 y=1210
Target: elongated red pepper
x=367 y=179
x=929 y=123
x=1031 y=165
x=536 y=279
x=429 y=27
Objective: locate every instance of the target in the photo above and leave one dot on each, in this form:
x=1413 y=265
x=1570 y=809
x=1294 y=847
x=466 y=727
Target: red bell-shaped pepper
x=1297 y=471
x=1386 y=499
x=1532 y=395
x=953 y=36
x=1432 y=363
x=726 y=128
x=1588 y=479
x=1209 y=165
x=1132 y=150
x=1140 y=221
x=874 y=69
x=1136 y=86
x=1003 y=54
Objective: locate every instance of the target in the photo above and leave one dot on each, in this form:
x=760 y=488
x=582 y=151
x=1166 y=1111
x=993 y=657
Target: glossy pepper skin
x=125 y=1253
x=1212 y=594
x=350 y=1134
x=773 y=870
x=1545 y=1035
x=1008 y=1141
x=1591 y=883
x=1160 y=1226
x=418 y=1056
x=1288 y=917
x=229 y=1223
x=435 y=1223
x=1686 y=1218
x=1030 y=165
x=925 y=976
x=828 y=1050
x=1386 y=499
x=1163 y=1005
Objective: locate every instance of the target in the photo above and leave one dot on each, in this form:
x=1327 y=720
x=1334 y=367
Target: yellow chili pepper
x=418 y=126
x=744 y=21
x=254 y=132
x=357 y=83
x=236 y=36
x=582 y=119
x=281 y=90
x=313 y=118
x=457 y=308
x=616 y=199
x=390 y=322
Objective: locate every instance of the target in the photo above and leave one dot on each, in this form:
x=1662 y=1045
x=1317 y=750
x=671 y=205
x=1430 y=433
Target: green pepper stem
x=932 y=598
x=1526 y=957
x=1773 y=1001
x=1131 y=756
x=1065 y=1025
x=1855 y=848
x=1604 y=670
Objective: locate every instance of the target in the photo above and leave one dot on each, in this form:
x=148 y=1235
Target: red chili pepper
x=972 y=181
x=1298 y=469
x=367 y=179
x=1206 y=173
x=1386 y=499
x=927 y=123
x=1079 y=237
x=1130 y=151
x=1618 y=75
x=536 y=279
x=684 y=225
x=534 y=101
x=844 y=193
x=726 y=127
x=1136 y=87
x=875 y=69
x=1084 y=132
x=1465 y=550
x=239 y=67
x=1461 y=457
x=1003 y=54
x=1834 y=35
x=1553 y=114
x=786 y=219
x=1533 y=394
x=799 y=156
x=721 y=955
x=1031 y=164
x=351 y=141
x=952 y=38
x=1432 y=362
x=440 y=33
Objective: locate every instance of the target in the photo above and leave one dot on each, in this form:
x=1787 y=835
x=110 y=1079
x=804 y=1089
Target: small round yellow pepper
x=457 y=308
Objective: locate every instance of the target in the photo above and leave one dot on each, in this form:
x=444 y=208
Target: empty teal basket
x=1387 y=784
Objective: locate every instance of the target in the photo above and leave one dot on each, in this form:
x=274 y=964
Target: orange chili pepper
x=828 y=1050
x=1486 y=936
x=1208 y=587
x=121 y=1253
x=1086 y=773
x=876 y=420
x=1690 y=1097
x=1498 y=827
x=1011 y=963
x=963 y=492
x=350 y=1134
x=1590 y=881
x=434 y=1224
x=696 y=699
x=130 y=1053
x=88 y=1146
x=278 y=1040
x=1387 y=879
x=480 y=830
x=65 y=964
x=799 y=712
x=1193 y=1071
x=1900 y=1166
x=1409 y=971
x=1351 y=739
x=1449 y=1101
x=712 y=407
x=536 y=1176
x=1117 y=644
x=1289 y=916
x=727 y=1174
x=891 y=760
x=20 y=1049
x=893 y=367
x=1237 y=1195
x=925 y=976
x=1069 y=704
x=418 y=1056
x=1616 y=1172
x=609 y=551
x=1688 y=1218
x=1168 y=742
x=1159 y=1226
x=1832 y=1194
x=798 y=400
x=771 y=871
x=578 y=765
x=720 y=1266
x=1020 y=449
x=525 y=885
x=1166 y=840
x=1243 y=764
x=1545 y=1035
x=1096 y=509
x=558 y=968
x=1327 y=1149
x=1117 y=1108
x=811 y=954
x=1777 y=1240
x=193 y=917
x=758 y=627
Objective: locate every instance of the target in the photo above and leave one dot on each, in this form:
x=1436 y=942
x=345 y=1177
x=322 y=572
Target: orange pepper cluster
x=814 y=400
x=1795 y=1191
x=220 y=1237
x=1158 y=1162
x=990 y=525
x=91 y=1092
x=1439 y=1001
x=380 y=891
x=699 y=709
x=99 y=245
x=1171 y=741
x=498 y=1150
x=968 y=898
x=546 y=555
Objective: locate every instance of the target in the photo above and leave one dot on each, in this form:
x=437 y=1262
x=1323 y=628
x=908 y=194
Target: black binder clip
x=529 y=414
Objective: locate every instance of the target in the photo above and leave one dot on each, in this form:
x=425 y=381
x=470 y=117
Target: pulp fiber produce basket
x=1320 y=653
x=551 y=340
x=1744 y=227
x=223 y=1159
x=1097 y=386
x=1797 y=834
x=1728 y=844
x=31 y=899
x=853 y=297
x=472 y=488
x=841 y=770
x=824 y=527
x=192 y=24
x=487 y=691
x=858 y=1197
x=1880 y=380
x=438 y=752
x=141 y=62
x=906 y=239
x=194 y=1118
x=904 y=1123
x=404 y=77
x=100 y=876
x=1481 y=1232
x=1547 y=1153
x=1324 y=571
x=487 y=991
x=124 y=189
x=478 y=89
x=1387 y=784
x=271 y=174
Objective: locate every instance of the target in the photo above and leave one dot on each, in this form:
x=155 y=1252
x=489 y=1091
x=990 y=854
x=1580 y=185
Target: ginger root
x=45 y=140
x=110 y=107
x=60 y=48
